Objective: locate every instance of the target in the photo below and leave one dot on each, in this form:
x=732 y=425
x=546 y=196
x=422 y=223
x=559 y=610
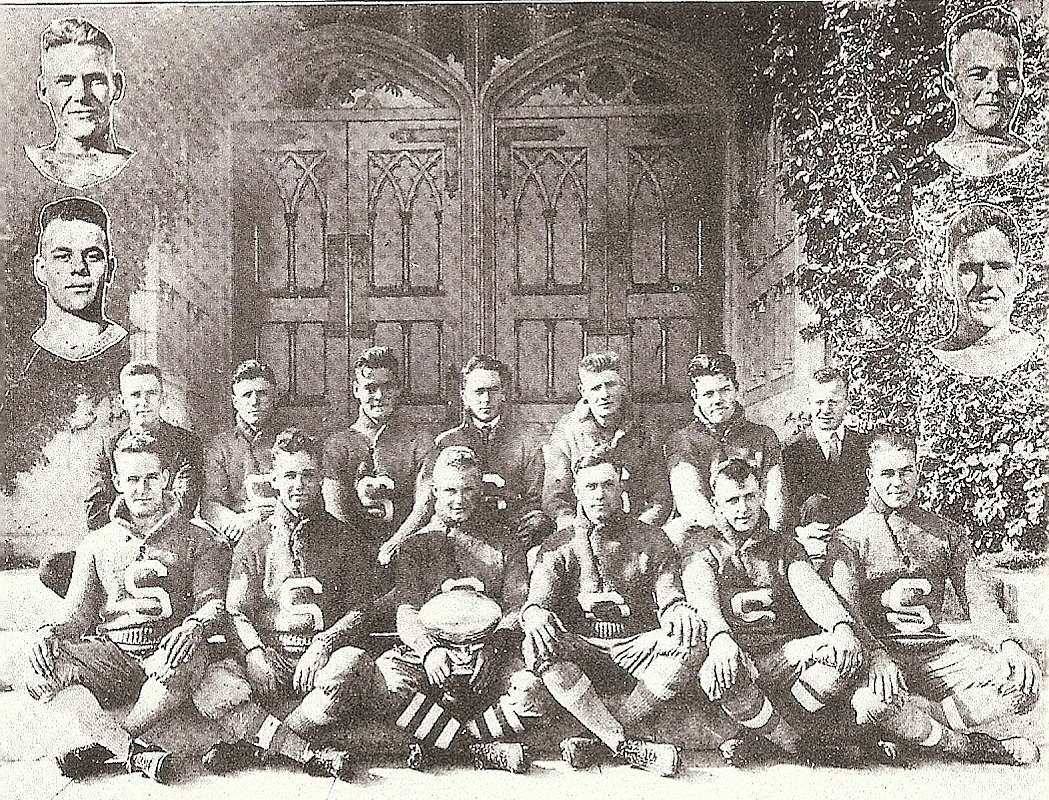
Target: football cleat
x=751 y=750
x=81 y=762
x=1014 y=752
x=583 y=752
x=329 y=762
x=661 y=759
x=506 y=756
x=418 y=757
x=226 y=757
x=150 y=760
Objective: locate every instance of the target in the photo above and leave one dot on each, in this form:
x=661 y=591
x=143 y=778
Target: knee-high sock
x=250 y=721
x=752 y=709
x=155 y=702
x=501 y=720
x=816 y=684
x=570 y=687
x=909 y=719
x=660 y=681
x=429 y=722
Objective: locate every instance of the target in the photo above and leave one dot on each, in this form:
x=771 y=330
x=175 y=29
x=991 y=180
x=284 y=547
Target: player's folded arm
x=85 y=596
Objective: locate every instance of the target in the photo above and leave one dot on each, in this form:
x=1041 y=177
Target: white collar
x=50 y=337
x=824 y=437
x=485 y=426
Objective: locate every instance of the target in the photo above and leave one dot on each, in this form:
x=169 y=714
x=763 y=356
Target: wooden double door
x=538 y=232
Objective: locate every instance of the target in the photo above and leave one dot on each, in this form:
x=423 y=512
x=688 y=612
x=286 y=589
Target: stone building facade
x=534 y=181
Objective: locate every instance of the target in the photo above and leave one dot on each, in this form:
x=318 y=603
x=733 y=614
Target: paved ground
x=30 y=736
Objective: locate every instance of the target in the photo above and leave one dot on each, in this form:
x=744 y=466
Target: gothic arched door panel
x=348 y=234
x=609 y=234
x=289 y=236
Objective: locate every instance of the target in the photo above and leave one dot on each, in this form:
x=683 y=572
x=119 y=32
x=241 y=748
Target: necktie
x=834 y=449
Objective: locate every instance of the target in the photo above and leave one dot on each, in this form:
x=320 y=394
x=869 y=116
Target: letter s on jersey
x=903 y=609
x=292 y=611
x=753 y=606
x=156 y=596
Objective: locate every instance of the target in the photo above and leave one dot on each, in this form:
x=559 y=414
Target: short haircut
x=716 y=364
x=295 y=440
x=458 y=457
x=602 y=454
x=74 y=30
x=70 y=209
x=133 y=368
x=977 y=218
x=600 y=362
x=482 y=361
x=891 y=439
x=377 y=358
x=141 y=442
x=989 y=18
x=829 y=375
x=737 y=470
x=251 y=370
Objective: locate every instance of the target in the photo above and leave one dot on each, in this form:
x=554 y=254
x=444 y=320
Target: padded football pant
x=952 y=685
x=347 y=681
x=788 y=679
x=656 y=668
x=116 y=677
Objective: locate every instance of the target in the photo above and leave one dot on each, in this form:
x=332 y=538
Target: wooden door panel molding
x=406 y=197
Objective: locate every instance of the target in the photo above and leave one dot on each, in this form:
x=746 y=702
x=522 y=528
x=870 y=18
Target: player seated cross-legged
x=300 y=595
x=606 y=612
x=146 y=589
x=462 y=687
x=926 y=688
x=780 y=642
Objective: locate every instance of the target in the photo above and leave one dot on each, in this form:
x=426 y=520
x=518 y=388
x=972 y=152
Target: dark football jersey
x=756 y=597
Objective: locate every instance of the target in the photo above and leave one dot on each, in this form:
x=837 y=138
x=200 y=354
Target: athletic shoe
x=507 y=756
x=150 y=760
x=751 y=750
x=226 y=757
x=662 y=759
x=1015 y=752
x=583 y=752
x=418 y=757
x=329 y=762
x=81 y=762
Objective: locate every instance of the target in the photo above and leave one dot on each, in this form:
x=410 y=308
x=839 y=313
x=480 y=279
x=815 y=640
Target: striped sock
x=429 y=722
x=816 y=684
x=499 y=721
x=274 y=736
x=754 y=711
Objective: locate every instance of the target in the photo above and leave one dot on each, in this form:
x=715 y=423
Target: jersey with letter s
x=755 y=594
x=291 y=590
x=900 y=563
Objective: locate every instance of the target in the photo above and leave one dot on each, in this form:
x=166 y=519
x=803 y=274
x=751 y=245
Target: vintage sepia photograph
x=515 y=399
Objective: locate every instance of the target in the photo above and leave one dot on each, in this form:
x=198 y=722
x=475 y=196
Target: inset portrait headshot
x=984 y=79
x=80 y=84
x=74 y=264
x=983 y=275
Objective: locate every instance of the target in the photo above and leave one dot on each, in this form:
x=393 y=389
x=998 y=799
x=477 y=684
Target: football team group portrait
x=478 y=386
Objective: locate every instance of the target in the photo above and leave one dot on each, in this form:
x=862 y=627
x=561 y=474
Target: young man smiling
x=147 y=589
x=80 y=84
